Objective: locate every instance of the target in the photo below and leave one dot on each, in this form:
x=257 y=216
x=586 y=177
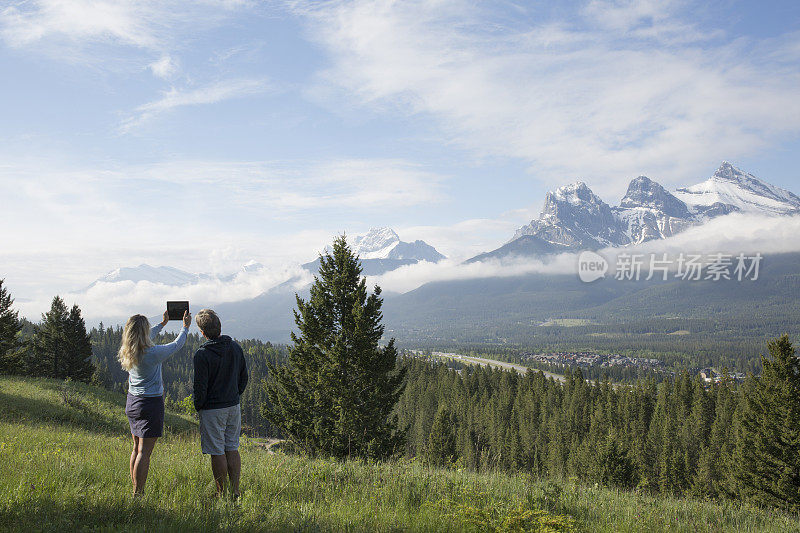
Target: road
x=496 y=364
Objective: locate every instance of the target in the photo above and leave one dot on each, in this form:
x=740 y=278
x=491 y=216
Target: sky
x=207 y=133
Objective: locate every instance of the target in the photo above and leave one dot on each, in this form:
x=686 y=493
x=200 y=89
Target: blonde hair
x=135 y=341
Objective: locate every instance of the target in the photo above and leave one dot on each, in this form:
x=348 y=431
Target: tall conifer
x=441 y=448
x=10 y=353
x=336 y=394
x=768 y=435
x=78 y=364
x=62 y=347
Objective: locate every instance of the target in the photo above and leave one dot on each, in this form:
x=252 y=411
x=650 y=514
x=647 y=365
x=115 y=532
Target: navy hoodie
x=220 y=374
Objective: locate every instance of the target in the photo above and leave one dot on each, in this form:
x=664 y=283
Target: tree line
x=57 y=347
x=681 y=436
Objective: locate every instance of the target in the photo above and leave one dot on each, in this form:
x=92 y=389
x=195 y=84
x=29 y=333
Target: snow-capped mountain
x=574 y=218
x=377 y=243
x=381 y=250
x=384 y=243
x=162 y=274
x=252 y=266
x=648 y=211
x=740 y=190
x=170 y=276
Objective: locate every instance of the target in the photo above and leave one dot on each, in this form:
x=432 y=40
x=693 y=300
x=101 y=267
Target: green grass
x=64 y=467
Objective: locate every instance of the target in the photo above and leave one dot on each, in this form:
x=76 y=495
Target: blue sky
x=203 y=134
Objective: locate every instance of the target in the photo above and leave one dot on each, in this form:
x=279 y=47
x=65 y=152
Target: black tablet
x=176 y=310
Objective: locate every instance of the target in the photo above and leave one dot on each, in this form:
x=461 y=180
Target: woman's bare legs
x=142 y=463
x=133 y=456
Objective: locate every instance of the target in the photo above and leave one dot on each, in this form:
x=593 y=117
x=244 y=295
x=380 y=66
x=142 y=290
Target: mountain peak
x=576 y=190
x=732 y=189
x=375 y=241
x=646 y=193
x=728 y=172
x=573 y=216
x=381 y=250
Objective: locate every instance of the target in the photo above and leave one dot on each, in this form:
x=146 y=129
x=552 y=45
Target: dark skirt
x=145 y=415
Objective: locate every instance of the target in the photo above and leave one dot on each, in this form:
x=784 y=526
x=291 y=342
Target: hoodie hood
x=218 y=346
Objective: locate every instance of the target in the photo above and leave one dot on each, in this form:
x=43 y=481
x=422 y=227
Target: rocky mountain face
x=574 y=218
x=648 y=211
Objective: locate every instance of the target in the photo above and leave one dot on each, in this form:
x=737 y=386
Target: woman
x=145 y=406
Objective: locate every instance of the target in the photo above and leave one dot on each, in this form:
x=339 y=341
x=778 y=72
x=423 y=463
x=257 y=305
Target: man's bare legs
x=234 y=461
x=141 y=463
x=225 y=466
x=219 y=467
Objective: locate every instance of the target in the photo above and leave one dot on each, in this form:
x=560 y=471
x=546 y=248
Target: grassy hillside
x=64 y=466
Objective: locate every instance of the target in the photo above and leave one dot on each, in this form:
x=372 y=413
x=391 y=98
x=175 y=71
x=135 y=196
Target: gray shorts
x=220 y=429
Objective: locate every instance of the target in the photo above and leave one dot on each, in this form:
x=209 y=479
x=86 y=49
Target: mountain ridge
x=573 y=218
x=380 y=250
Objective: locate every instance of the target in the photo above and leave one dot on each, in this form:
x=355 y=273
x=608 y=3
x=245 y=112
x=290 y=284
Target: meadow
x=64 y=452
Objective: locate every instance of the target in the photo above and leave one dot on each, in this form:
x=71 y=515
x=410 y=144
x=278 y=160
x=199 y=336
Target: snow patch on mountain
x=377 y=243
x=384 y=243
x=739 y=190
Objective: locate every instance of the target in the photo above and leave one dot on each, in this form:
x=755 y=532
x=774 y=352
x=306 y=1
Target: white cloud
x=626 y=88
x=165 y=67
x=736 y=233
x=111 y=200
x=116 y=300
x=210 y=94
x=128 y=22
x=731 y=234
x=64 y=26
x=115 y=35
x=81 y=222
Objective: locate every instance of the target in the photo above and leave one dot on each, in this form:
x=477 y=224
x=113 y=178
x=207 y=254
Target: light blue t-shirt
x=145 y=379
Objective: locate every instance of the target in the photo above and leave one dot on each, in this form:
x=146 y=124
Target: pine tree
x=62 y=349
x=768 y=435
x=441 y=448
x=616 y=466
x=78 y=350
x=49 y=342
x=337 y=393
x=10 y=346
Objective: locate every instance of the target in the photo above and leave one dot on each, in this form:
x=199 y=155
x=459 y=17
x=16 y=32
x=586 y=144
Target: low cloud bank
x=114 y=301
x=731 y=234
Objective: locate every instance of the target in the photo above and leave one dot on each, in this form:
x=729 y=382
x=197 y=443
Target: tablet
x=176 y=309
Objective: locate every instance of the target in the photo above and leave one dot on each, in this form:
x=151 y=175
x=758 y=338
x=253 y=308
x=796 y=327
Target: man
x=220 y=377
